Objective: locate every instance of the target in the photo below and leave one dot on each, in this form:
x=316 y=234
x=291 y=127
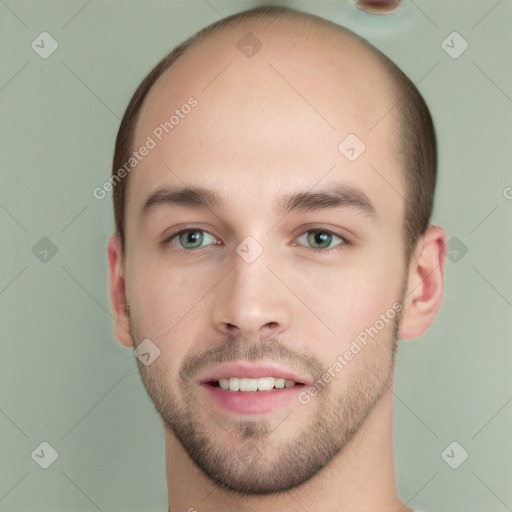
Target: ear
x=118 y=300
x=425 y=283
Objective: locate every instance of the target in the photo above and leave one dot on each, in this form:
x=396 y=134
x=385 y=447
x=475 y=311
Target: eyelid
x=169 y=239
x=343 y=240
x=304 y=231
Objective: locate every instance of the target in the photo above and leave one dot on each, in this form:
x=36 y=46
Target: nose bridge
x=251 y=298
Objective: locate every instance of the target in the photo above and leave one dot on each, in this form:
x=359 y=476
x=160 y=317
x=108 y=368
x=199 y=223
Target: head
x=414 y=141
x=241 y=142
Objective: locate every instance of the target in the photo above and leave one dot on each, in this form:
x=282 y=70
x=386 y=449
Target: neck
x=360 y=478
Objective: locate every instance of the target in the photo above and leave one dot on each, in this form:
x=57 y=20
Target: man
x=273 y=186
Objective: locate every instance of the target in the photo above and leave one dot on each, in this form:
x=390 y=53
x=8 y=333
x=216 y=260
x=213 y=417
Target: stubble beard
x=255 y=464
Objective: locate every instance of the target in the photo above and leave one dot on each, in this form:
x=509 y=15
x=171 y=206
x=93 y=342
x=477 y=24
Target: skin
x=252 y=138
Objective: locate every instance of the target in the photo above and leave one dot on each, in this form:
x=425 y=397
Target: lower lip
x=253 y=402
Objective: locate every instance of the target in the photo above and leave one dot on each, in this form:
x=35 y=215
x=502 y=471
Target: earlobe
x=118 y=300
x=425 y=283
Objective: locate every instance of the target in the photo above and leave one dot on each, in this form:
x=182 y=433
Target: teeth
x=262 y=384
x=234 y=384
x=249 y=384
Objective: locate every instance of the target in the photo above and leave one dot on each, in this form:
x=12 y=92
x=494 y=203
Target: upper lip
x=252 y=370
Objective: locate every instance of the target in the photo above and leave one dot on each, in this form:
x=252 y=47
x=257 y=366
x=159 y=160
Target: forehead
x=271 y=122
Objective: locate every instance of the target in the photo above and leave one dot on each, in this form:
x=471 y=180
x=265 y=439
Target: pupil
x=320 y=237
x=193 y=238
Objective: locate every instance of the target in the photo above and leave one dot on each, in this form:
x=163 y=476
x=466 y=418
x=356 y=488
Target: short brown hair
x=417 y=145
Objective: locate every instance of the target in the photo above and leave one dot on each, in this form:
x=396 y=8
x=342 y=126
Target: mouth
x=248 y=385
x=244 y=396
x=244 y=387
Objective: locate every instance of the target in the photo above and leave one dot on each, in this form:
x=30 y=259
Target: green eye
x=191 y=238
x=321 y=239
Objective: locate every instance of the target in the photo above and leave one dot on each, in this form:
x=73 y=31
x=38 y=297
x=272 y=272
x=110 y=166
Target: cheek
x=356 y=301
x=345 y=298
x=166 y=303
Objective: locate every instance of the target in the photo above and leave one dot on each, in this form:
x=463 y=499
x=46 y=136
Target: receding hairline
x=309 y=26
x=413 y=128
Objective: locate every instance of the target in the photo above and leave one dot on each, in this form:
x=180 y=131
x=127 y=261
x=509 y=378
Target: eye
x=321 y=239
x=189 y=239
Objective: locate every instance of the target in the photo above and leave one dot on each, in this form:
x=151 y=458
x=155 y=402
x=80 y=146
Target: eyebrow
x=335 y=196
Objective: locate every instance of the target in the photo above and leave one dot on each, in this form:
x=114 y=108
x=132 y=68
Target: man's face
x=293 y=297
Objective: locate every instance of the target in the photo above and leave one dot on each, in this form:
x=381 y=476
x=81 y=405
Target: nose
x=251 y=301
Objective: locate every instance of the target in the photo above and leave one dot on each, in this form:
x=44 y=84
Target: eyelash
x=344 y=241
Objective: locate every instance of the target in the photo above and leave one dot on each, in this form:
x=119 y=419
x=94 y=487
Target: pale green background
x=67 y=381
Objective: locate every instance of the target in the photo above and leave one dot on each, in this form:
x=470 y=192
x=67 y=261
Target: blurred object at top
x=378 y=6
